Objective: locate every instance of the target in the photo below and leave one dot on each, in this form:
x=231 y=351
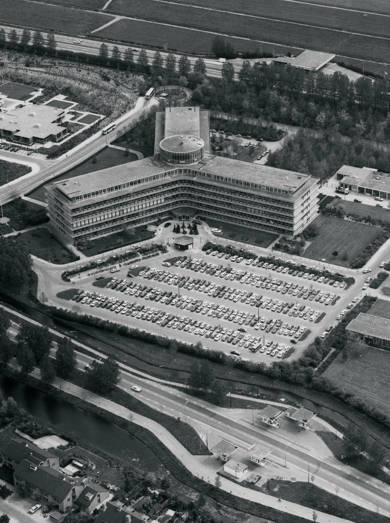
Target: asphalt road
x=349 y=483
x=76 y=156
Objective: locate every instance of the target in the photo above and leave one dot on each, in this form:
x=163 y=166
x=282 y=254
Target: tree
x=128 y=58
x=103 y=377
x=36 y=338
x=228 y=72
x=103 y=53
x=65 y=359
x=15 y=265
x=116 y=55
x=184 y=66
x=51 y=43
x=222 y=48
x=200 y=66
x=170 y=68
x=13 y=39
x=4 y=518
x=157 y=64
x=245 y=73
x=25 y=39
x=25 y=358
x=47 y=370
x=3 y=39
x=38 y=42
x=143 y=62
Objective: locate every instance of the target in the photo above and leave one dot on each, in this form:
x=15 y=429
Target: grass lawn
x=336 y=235
x=41 y=243
x=113 y=241
x=11 y=171
x=310 y=495
x=242 y=234
x=107 y=157
x=366 y=377
x=93 y=5
x=16 y=91
x=23 y=214
x=50 y=17
x=362 y=210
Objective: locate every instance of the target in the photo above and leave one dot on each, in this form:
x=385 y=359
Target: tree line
x=32 y=349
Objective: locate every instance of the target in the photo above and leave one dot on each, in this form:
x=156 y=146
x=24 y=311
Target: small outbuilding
x=258 y=455
x=183 y=243
x=270 y=416
x=223 y=450
x=301 y=416
x=235 y=469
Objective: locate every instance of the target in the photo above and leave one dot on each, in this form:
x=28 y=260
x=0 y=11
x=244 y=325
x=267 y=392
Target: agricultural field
x=316 y=36
x=377 y=6
x=365 y=376
x=212 y=13
x=93 y=5
x=45 y=17
x=347 y=239
x=174 y=38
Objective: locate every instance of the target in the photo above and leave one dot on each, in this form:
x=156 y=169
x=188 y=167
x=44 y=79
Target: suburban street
x=327 y=473
x=53 y=168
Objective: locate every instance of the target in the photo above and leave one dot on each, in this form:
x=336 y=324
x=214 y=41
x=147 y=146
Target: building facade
x=182 y=174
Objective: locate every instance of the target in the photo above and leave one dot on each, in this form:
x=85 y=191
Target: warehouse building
x=365 y=180
x=182 y=174
x=32 y=124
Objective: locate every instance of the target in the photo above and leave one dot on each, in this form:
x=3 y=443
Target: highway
x=329 y=474
x=77 y=155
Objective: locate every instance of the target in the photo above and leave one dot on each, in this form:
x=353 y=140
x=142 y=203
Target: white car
x=34 y=509
x=135 y=388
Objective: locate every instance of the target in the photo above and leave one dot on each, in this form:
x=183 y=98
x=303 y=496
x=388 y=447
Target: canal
x=82 y=426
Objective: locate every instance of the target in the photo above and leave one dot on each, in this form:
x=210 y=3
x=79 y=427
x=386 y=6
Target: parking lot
x=248 y=308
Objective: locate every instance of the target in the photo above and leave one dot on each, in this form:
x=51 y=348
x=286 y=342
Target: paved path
x=190 y=462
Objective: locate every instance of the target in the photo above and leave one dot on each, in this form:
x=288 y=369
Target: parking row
x=213 y=310
x=235 y=337
x=257 y=280
x=278 y=267
x=259 y=301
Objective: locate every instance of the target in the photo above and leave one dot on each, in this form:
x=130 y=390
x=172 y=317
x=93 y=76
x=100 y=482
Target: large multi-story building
x=182 y=174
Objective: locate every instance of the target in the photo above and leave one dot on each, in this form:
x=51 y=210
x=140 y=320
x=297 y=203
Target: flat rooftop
x=365 y=177
x=308 y=60
x=300 y=414
x=182 y=120
x=224 y=447
x=380 y=308
x=181 y=143
x=269 y=179
x=31 y=121
x=270 y=412
x=370 y=325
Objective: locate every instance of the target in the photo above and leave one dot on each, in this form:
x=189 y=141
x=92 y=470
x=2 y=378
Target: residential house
x=92 y=497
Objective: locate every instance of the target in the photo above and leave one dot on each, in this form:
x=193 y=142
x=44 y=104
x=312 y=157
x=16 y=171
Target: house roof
x=89 y=493
x=236 y=465
x=112 y=514
x=366 y=177
x=308 y=60
x=17 y=450
x=32 y=120
x=48 y=480
x=270 y=412
x=300 y=414
x=223 y=447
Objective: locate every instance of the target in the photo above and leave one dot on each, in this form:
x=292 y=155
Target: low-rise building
x=270 y=416
x=308 y=60
x=301 y=416
x=33 y=123
x=92 y=497
x=235 y=469
x=223 y=450
x=373 y=330
x=14 y=450
x=113 y=514
x=364 y=180
x=47 y=485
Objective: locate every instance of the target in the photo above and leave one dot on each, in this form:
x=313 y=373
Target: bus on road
x=109 y=128
x=149 y=93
